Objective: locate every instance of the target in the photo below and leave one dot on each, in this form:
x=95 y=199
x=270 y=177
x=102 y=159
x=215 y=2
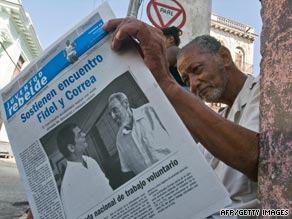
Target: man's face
x=169 y=41
x=118 y=112
x=203 y=72
x=80 y=141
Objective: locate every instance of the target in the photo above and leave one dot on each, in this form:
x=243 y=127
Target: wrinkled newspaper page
x=94 y=136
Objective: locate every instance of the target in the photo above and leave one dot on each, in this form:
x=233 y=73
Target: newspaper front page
x=94 y=136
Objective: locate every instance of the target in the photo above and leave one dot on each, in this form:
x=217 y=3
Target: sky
x=51 y=19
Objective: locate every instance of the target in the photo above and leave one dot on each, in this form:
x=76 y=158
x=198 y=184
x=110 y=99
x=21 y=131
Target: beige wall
x=235 y=36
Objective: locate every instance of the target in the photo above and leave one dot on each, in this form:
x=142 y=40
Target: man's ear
x=71 y=148
x=225 y=56
x=126 y=104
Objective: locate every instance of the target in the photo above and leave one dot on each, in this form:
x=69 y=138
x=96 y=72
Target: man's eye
x=114 y=110
x=197 y=69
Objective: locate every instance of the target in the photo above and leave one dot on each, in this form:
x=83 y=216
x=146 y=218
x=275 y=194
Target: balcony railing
x=231 y=23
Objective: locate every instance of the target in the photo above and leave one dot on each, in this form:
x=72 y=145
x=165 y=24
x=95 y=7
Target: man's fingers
x=29 y=215
x=112 y=24
x=119 y=34
x=123 y=29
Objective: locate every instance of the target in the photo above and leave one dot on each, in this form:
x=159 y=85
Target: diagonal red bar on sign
x=179 y=12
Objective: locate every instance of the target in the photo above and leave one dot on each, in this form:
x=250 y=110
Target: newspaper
x=123 y=157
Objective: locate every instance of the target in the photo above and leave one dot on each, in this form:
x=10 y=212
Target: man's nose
x=194 y=83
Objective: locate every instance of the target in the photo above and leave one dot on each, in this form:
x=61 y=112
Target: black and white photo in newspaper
x=93 y=138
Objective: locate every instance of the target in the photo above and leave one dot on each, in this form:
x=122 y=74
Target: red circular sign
x=166 y=13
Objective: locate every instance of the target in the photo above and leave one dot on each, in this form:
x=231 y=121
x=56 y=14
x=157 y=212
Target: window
x=18 y=66
x=239 y=57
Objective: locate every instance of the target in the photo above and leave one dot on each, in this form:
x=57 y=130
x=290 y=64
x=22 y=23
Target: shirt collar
x=242 y=97
x=137 y=115
x=73 y=163
x=244 y=94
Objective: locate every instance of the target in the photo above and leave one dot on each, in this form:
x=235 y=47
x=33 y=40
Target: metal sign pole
x=133 y=8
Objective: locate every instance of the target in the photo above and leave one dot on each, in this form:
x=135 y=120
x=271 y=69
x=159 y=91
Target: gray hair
x=119 y=96
x=206 y=42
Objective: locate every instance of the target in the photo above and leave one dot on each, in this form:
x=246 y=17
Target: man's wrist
x=169 y=86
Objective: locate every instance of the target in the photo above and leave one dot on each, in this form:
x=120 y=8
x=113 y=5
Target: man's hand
x=29 y=215
x=148 y=39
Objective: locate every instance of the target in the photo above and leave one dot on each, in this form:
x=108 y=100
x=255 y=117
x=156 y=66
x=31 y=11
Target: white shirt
x=244 y=112
x=143 y=145
x=82 y=188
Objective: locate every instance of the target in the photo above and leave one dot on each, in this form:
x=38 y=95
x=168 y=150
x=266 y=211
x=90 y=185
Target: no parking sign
x=166 y=13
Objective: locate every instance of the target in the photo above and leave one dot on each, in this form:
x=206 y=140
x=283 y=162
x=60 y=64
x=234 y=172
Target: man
x=207 y=68
x=142 y=140
x=172 y=40
x=70 y=52
x=84 y=184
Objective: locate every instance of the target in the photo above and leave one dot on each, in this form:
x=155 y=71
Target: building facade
x=238 y=38
x=19 y=45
